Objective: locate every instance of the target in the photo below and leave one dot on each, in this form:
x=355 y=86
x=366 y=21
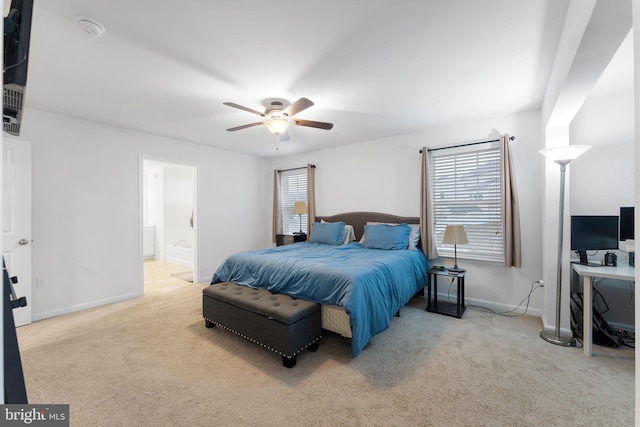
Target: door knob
x=23 y=242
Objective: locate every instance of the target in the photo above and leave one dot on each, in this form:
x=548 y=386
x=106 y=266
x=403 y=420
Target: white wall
x=384 y=176
x=168 y=204
x=87 y=209
x=178 y=205
x=153 y=193
x=602 y=179
x=636 y=91
x=153 y=204
x=581 y=59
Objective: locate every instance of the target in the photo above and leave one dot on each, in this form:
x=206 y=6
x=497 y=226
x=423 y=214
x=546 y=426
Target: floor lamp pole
x=554 y=336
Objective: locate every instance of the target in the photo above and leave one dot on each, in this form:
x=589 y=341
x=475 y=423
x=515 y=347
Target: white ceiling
x=374 y=68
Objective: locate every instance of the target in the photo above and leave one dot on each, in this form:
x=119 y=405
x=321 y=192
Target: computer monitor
x=626 y=223
x=593 y=233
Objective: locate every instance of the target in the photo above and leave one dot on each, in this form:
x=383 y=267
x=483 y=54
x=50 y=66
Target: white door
x=16 y=220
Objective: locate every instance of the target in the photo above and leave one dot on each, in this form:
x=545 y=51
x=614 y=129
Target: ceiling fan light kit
x=277 y=126
x=279 y=118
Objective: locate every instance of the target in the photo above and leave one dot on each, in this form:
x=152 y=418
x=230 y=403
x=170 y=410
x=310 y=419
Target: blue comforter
x=370 y=284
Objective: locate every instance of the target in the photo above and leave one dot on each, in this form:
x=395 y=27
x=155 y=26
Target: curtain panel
x=510 y=208
x=427 y=229
x=277 y=212
x=311 y=196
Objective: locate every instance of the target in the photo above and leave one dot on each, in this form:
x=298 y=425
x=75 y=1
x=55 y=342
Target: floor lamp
x=562 y=156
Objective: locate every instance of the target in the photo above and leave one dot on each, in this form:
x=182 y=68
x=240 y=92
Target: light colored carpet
x=151 y=362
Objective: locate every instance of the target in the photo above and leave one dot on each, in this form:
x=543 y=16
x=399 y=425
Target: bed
x=360 y=283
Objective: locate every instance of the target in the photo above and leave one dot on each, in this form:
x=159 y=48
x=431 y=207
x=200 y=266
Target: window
x=467 y=189
x=293 y=188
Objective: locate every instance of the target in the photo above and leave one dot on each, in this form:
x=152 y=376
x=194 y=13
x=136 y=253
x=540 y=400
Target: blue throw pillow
x=329 y=233
x=383 y=236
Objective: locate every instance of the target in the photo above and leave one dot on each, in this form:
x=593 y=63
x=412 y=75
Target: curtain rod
x=511 y=138
x=295 y=169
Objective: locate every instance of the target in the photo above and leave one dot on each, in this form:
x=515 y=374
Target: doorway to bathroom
x=168 y=222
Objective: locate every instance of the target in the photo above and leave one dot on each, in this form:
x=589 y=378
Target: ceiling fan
x=278 y=118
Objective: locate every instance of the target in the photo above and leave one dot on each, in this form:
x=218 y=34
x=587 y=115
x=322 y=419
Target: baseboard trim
x=79 y=307
x=499 y=307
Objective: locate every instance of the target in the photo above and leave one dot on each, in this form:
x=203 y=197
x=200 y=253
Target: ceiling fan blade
x=244 y=126
x=234 y=105
x=296 y=107
x=312 y=124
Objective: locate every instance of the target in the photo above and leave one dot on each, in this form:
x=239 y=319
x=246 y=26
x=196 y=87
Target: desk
x=621 y=272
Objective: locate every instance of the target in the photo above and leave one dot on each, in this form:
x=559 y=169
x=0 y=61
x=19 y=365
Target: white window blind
x=293 y=188
x=466 y=188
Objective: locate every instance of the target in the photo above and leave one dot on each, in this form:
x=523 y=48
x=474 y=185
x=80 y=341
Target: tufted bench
x=278 y=322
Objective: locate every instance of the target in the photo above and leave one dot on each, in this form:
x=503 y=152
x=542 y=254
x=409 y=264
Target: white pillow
x=349 y=234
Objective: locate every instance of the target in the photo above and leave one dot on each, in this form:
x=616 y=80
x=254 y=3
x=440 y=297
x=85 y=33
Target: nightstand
x=287 y=239
x=299 y=237
x=444 y=307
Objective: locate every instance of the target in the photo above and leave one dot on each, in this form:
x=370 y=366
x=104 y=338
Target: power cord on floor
x=628 y=338
x=511 y=313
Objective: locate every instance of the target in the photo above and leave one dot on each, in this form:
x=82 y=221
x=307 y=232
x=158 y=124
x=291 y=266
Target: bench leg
x=289 y=362
x=314 y=346
x=208 y=323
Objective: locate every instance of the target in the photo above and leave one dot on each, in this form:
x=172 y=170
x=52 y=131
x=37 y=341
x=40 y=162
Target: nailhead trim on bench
x=264 y=345
x=282 y=324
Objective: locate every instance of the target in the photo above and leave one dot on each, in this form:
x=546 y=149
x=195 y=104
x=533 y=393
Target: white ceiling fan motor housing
x=274 y=109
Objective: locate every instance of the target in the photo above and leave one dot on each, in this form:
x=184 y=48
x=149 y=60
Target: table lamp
x=300 y=208
x=455 y=235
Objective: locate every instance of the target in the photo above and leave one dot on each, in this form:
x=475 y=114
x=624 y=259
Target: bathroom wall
x=168 y=204
x=178 y=205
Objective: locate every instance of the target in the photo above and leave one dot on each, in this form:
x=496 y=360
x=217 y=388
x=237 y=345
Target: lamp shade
x=564 y=154
x=455 y=235
x=277 y=126
x=299 y=208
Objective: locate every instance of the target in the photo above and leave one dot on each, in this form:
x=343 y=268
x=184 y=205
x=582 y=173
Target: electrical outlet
x=541 y=282
x=41 y=282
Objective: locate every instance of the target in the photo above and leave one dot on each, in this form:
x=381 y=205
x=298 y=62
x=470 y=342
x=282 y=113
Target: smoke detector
x=90 y=26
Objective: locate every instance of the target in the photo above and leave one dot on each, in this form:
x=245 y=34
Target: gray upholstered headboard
x=359 y=219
